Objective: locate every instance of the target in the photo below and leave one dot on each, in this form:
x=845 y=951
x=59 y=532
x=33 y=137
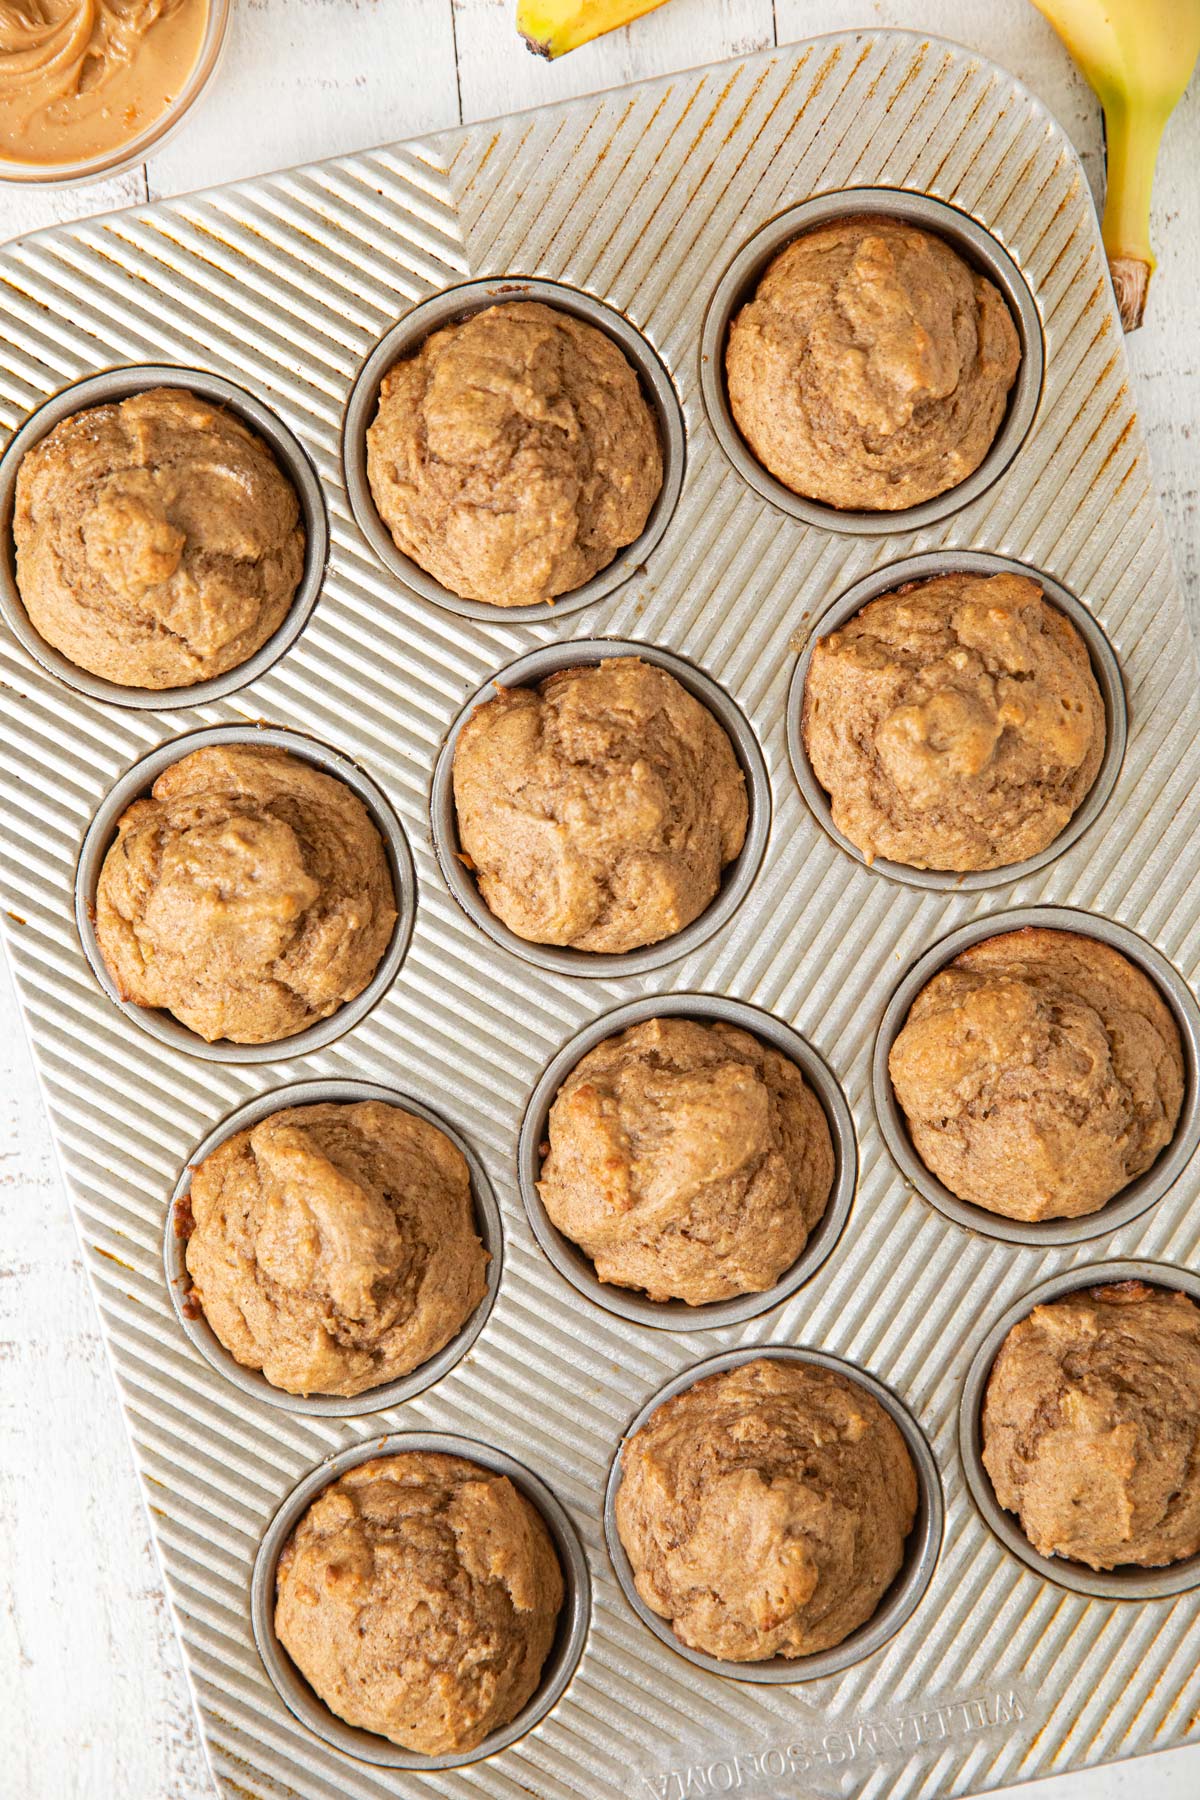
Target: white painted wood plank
x=498 y=74
x=302 y=81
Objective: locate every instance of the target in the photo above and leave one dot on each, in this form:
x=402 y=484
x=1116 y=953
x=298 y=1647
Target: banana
x=552 y=27
x=1138 y=56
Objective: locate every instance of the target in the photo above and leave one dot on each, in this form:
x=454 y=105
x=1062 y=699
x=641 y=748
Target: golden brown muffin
x=1040 y=1072
x=514 y=454
x=249 y=895
x=764 y=1510
x=598 y=809
x=1091 y=1426
x=158 y=541
x=688 y=1160
x=419 y=1596
x=872 y=367
x=954 y=724
x=334 y=1246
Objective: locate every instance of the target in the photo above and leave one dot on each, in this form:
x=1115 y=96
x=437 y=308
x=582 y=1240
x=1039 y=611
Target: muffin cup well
x=897 y=1604
x=1104 y=667
x=737 y=878
x=1130 y=1582
x=1132 y=1200
x=137 y=782
x=119 y=384
x=451 y=307
x=629 y=1303
x=253 y=1381
x=976 y=246
x=367 y=1746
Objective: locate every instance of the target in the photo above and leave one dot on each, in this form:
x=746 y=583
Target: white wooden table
x=93 y=1704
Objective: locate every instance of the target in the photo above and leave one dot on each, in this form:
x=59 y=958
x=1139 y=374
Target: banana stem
x=1133 y=132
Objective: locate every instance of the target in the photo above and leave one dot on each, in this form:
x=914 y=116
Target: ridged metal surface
x=641 y=197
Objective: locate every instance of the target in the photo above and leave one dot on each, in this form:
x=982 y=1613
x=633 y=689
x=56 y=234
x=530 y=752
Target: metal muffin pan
x=677 y=1315
x=284 y=286
x=1123 y=1583
x=902 y=1597
x=252 y=1381
x=119 y=384
x=450 y=308
x=565 y=1651
x=1104 y=666
x=977 y=246
x=1140 y=1194
x=138 y=781
x=738 y=877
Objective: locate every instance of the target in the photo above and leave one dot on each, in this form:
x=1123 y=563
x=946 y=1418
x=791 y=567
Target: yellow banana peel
x=552 y=27
x=1138 y=56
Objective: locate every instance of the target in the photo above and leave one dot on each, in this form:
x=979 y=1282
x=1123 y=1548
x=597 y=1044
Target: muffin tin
x=137 y=782
x=451 y=307
x=896 y=1605
x=628 y=1303
x=565 y=1651
x=1104 y=667
x=977 y=247
x=252 y=1381
x=107 y=389
x=1103 y=1584
x=736 y=880
x=1138 y=1195
x=639 y=202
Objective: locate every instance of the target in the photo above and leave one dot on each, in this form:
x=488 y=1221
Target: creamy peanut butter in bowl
x=87 y=86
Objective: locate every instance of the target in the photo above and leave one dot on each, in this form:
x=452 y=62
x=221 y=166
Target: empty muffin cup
x=1104 y=667
x=977 y=247
x=560 y=1664
x=253 y=1381
x=1145 y=1189
x=137 y=782
x=120 y=384
x=449 y=308
x=738 y=877
x=921 y=1546
x=1127 y=1583
x=676 y=1315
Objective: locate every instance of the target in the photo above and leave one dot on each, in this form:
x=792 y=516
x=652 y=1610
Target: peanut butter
x=79 y=78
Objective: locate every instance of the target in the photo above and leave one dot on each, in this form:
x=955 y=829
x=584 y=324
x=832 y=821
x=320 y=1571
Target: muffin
x=1040 y=1072
x=514 y=454
x=599 y=808
x=419 y=1597
x=764 y=1510
x=954 y=724
x=688 y=1160
x=1091 y=1426
x=334 y=1246
x=872 y=366
x=158 y=541
x=249 y=895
